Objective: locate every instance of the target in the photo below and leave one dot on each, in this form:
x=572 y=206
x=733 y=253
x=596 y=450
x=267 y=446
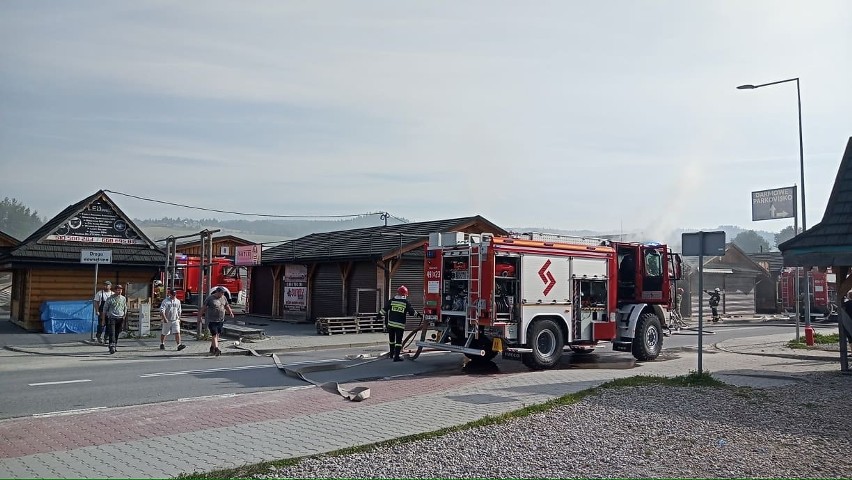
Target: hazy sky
x=605 y=115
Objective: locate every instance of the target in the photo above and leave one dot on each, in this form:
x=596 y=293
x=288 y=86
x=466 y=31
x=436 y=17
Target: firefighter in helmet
x=394 y=312
x=715 y=299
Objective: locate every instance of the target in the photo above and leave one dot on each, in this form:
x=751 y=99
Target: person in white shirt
x=170 y=312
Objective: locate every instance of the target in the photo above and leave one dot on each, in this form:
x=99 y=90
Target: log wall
x=69 y=284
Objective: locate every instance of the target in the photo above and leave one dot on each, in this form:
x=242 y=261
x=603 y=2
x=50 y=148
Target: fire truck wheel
x=484 y=343
x=546 y=342
x=648 y=338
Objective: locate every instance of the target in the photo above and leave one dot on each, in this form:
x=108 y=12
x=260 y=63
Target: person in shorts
x=214 y=309
x=170 y=313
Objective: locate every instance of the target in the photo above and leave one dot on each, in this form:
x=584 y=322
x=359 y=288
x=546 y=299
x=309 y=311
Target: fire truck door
x=652 y=274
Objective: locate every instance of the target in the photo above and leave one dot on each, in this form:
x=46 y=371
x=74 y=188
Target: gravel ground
x=799 y=430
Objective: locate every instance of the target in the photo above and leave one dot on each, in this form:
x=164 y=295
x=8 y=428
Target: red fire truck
x=822 y=291
x=532 y=296
x=224 y=273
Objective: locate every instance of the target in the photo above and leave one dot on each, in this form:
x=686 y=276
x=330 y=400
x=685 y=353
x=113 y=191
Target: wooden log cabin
x=47 y=265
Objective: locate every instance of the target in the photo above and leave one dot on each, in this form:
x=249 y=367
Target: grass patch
x=819 y=339
x=693 y=379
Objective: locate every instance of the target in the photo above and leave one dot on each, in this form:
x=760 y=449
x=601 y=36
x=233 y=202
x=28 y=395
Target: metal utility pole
x=171 y=261
x=809 y=331
x=206 y=263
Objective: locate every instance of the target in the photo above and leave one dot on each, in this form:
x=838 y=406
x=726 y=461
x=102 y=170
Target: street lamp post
x=809 y=331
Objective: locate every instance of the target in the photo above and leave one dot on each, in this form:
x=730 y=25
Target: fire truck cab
x=532 y=296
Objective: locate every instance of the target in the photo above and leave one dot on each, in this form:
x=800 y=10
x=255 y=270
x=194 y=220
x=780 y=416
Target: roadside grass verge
x=693 y=379
x=819 y=339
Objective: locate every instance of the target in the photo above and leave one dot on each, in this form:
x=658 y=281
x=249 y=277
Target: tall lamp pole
x=809 y=331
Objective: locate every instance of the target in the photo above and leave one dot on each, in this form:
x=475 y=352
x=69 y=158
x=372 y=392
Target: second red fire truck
x=223 y=273
x=533 y=296
x=821 y=290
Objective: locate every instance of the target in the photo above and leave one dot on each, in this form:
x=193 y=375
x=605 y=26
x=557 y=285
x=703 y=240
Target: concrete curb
x=790 y=356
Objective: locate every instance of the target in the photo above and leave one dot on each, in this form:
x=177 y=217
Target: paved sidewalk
x=299 y=421
x=280 y=337
x=776 y=346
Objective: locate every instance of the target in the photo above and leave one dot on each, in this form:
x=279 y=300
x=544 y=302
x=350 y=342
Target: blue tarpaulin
x=74 y=316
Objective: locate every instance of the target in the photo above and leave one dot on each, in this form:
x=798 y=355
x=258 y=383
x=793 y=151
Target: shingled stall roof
x=773 y=260
x=828 y=243
x=7 y=243
x=7 y=240
x=735 y=260
x=369 y=243
x=57 y=241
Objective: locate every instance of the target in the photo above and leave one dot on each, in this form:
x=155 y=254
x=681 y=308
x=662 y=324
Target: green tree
x=751 y=242
x=785 y=234
x=17 y=220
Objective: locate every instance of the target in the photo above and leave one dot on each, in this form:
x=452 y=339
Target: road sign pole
x=97 y=257
x=797 y=295
x=94 y=303
x=700 y=301
x=699 y=244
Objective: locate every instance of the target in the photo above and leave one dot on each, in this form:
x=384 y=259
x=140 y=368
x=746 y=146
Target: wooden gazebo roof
x=829 y=242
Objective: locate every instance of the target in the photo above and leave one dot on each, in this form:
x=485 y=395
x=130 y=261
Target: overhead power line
x=241 y=213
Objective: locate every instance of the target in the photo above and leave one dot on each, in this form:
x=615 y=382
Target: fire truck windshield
x=653 y=266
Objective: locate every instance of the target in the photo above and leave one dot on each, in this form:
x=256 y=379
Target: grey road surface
x=35 y=385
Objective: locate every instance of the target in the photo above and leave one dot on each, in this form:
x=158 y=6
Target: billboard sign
x=248 y=255
x=295 y=273
x=773 y=204
x=295 y=288
x=97 y=223
x=295 y=298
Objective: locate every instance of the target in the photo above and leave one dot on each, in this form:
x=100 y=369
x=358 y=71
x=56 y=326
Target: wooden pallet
x=369 y=324
x=355 y=324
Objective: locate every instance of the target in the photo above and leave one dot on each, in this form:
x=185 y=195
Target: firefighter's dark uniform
x=394 y=313
x=715 y=298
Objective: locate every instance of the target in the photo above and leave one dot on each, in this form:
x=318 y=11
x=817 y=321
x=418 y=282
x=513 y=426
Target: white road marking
x=207 y=370
x=58 y=383
x=330 y=360
x=68 y=412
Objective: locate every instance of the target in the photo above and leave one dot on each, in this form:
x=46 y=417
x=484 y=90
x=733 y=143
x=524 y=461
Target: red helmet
x=402 y=290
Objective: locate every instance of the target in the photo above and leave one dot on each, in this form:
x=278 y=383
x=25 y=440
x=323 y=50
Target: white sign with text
x=95 y=256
